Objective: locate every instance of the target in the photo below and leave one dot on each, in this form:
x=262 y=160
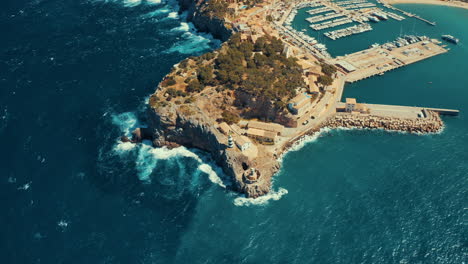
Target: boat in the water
x=450 y=38
x=380 y=15
x=373 y=19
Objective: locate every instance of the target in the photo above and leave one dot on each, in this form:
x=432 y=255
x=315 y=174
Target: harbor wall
x=430 y=124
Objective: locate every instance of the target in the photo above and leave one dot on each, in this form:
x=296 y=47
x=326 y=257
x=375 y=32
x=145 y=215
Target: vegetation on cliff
x=259 y=68
x=328 y=71
x=219 y=8
x=256 y=70
x=214 y=8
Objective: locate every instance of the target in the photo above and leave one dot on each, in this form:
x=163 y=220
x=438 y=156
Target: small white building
x=350 y=104
x=243 y=142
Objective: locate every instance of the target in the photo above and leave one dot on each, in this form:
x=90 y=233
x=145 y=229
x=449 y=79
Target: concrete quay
x=376 y=61
x=398 y=111
x=390 y=117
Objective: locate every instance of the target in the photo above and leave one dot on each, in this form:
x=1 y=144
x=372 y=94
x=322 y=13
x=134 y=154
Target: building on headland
x=277 y=129
x=262 y=136
x=230 y=141
x=224 y=128
x=241 y=27
x=299 y=104
x=287 y=51
x=351 y=106
x=346 y=66
x=243 y=142
x=251 y=175
x=311 y=83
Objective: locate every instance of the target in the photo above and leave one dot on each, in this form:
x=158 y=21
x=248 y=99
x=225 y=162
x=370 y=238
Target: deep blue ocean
x=75 y=76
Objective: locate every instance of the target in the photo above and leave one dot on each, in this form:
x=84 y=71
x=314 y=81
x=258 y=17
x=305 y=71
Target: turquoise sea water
x=347 y=196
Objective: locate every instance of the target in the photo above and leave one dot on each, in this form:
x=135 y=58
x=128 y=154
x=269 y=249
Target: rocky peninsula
x=247 y=102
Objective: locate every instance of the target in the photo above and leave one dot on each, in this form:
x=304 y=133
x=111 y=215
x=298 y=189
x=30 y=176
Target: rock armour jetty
x=431 y=124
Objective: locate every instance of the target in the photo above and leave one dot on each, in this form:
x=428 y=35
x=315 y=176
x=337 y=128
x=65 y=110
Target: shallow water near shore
x=72 y=194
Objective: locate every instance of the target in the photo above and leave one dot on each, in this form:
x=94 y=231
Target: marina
x=323 y=17
x=331 y=24
x=320 y=10
x=359 y=6
x=392 y=55
x=327 y=15
x=341 y=33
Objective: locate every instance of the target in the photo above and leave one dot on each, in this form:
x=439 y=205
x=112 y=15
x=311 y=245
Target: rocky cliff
x=204 y=23
x=174 y=125
x=186 y=125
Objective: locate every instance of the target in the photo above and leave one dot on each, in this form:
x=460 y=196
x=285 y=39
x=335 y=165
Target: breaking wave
x=301 y=142
x=262 y=200
x=131 y=3
x=147 y=157
x=127 y=122
x=194 y=43
x=173 y=15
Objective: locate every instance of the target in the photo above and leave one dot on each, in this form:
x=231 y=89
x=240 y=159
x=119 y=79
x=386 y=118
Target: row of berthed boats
x=341 y=33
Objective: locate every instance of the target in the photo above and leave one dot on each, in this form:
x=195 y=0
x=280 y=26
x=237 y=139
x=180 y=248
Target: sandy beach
x=430 y=2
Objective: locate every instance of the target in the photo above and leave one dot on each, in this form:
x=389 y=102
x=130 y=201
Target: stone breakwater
x=430 y=124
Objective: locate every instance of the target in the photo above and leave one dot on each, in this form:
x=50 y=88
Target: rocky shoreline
x=431 y=124
x=173 y=125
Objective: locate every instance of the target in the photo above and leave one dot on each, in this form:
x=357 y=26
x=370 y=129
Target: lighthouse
x=251 y=175
x=230 y=142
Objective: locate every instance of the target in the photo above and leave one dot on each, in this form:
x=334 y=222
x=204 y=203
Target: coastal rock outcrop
x=202 y=22
x=186 y=125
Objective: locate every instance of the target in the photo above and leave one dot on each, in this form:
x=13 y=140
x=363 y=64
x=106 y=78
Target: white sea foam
x=148 y=158
x=300 y=143
x=184 y=26
x=194 y=43
x=25 y=187
x=156 y=13
x=127 y=122
x=131 y=3
x=123 y=147
x=153 y=2
x=212 y=175
x=173 y=15
x=262 y=200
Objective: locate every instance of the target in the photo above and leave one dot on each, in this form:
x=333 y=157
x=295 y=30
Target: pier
x=331 y=24
x=378 y=60
x=399 y=111
x=341 y=33
x=411 y=15
x=389 y=117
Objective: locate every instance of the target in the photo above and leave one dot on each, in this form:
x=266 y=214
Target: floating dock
x=331 y=24
x=341 y=33
x=316 y=19
x=320 y=10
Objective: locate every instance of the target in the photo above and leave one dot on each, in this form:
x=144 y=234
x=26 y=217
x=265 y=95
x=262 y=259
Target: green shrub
x=230 y=117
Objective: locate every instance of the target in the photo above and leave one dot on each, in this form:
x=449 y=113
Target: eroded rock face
x=263 y=108
x=186 y=125
x=212 y=25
